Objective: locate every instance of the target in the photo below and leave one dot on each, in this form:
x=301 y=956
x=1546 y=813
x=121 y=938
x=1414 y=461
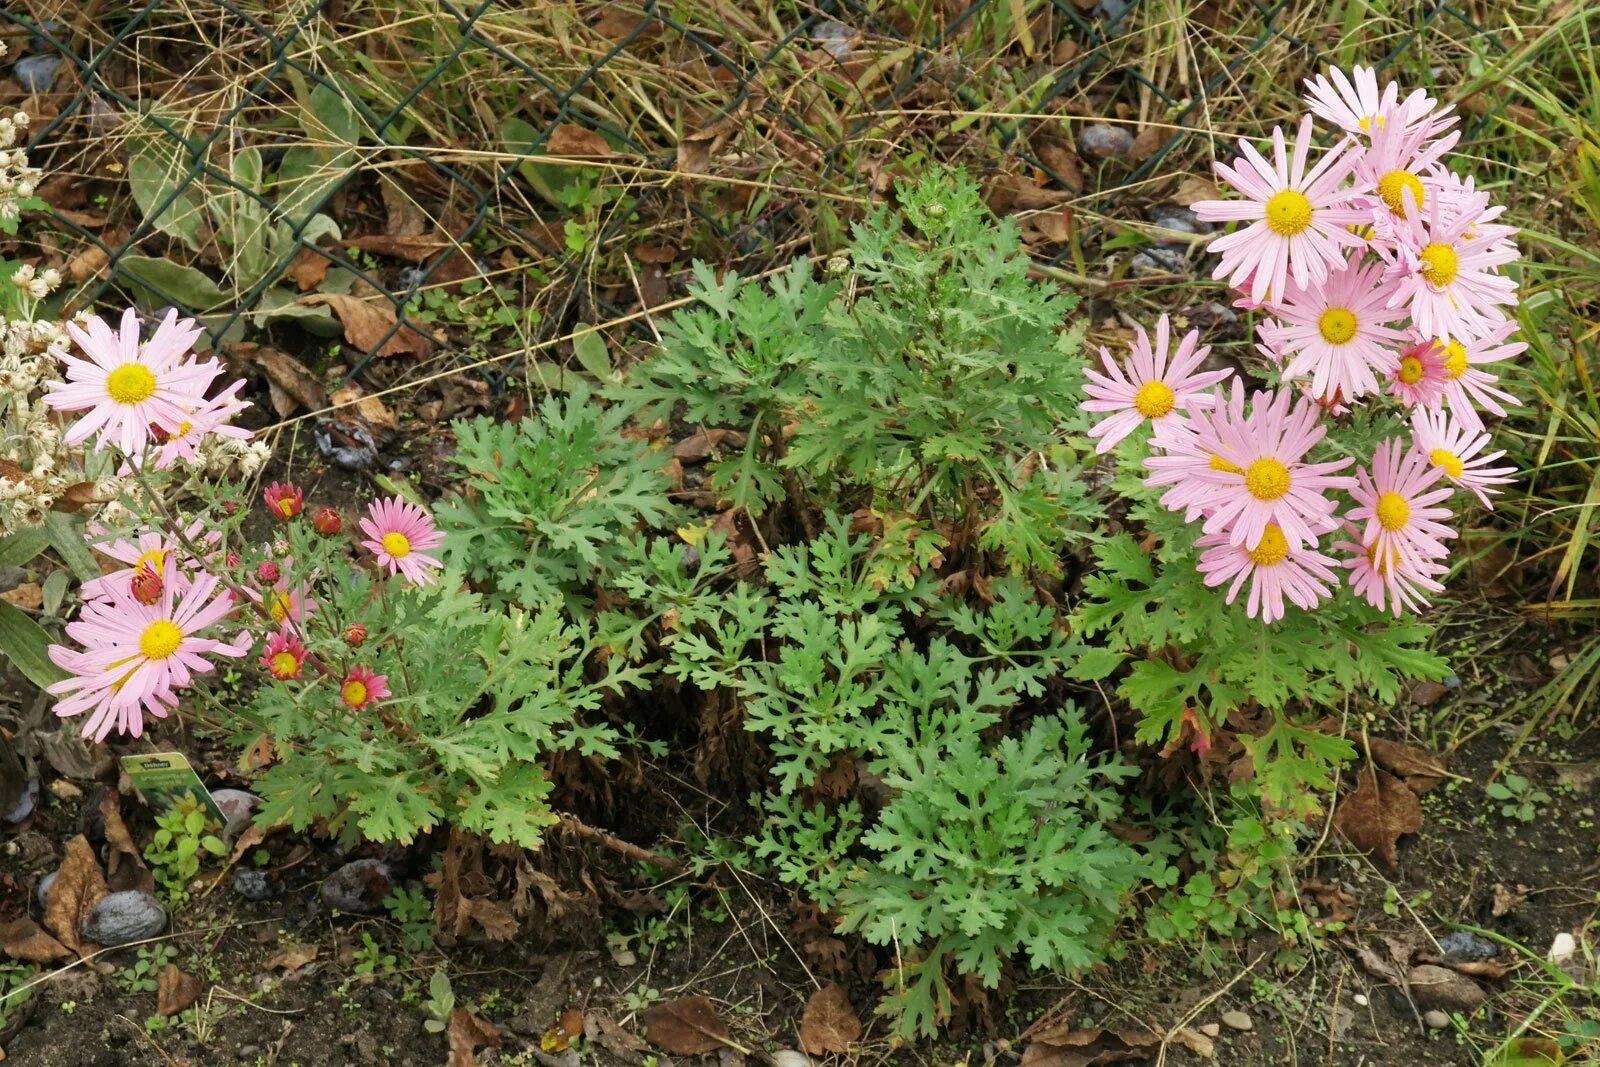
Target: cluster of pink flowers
x=1379 y=275
x=145 y=630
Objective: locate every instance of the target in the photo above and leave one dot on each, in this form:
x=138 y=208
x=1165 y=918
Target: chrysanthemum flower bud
x=267 y=572
x=354 y=634
x=326 y=522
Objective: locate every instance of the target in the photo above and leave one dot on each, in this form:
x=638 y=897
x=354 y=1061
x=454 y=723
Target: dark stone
x=35 y=73
x=121 y=918
x=24 y=805
x=358 y=887
x=1462 y=946
x=1103 y=140
x=255 y=885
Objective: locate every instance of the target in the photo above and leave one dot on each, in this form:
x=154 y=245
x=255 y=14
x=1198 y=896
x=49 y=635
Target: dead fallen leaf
x=87 y=264
x=308 y=268
x=1062 y=1046
x=78 y=887
x=1377 y=814
x=125 y=868
x=700 y=444
x=468 y=1030
x=292 y=957
x=403 y=217
x=413 y=247
x=659 y=253
x=370 y=408
x=1379 y=967
x=175 y=990
x=1195 y=1042
x=22 y=939
x=829 y=1023
x=1150 y=138
x=292 y=385
x=1420 y=769
x=687 y=1027
x=1063 y=163
x=1490 y=969
x=367 y=325
x=1442 y=988
x=604 y=1031
x=697 y=148
x=1195 y=188
x=570 y=139
x=566 y=1030
x=253 y=835
x=28 y=596
x=497 y=923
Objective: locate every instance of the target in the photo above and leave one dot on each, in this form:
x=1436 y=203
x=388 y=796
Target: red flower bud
x=231 y=559
x=354 y=634
x=284 y=500
x=230 y=507
x=145 y=585
x=267 y=572
x=326 y=522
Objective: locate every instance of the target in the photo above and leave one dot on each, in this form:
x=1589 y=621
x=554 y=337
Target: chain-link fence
x=464 y=182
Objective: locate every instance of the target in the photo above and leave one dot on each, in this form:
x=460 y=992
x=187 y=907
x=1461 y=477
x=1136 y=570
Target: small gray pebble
x=1102 y=141
x=246 y=1051
x=42 y=890
x=358 y=887
x=1435 y=1020
x=35 y=73
x=123 y=917
x=255 y=885
x=25 y=802
x=1463 y=946
x=1237 y=1020
x=1159 y=259
x=1210 y=1029
x=1177 y=217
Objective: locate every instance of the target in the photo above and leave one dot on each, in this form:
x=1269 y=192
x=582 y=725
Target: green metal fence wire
x=83 y=62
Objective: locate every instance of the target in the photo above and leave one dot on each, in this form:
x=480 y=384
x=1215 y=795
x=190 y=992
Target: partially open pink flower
x=1298 y=221
x=214 y=416
x=151 y=549
x=135 y=657
x=283 y=655
x=126 y=387
x=399 y=534
x=1357 y=104
x=1454 y=448
x=1153 y=387
x=1275 y=571
x=361 y=686
x=284 y=500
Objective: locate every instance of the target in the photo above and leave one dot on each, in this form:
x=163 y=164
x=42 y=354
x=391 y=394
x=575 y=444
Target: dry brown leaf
x=566 y=1030
x=87 y=264
x=368 y=322
x=308 y=268
x=687 y=1027
x=1063 y=162
x=497 y=922
x=253 y=835
x=570 y=139
x=829 y=1023
x=1481 y=968
x=373 y=410
x=696 y=149
x=22 y=939
x=28 y=596
x=78 y=887
x=467 y=1031
x=604 y=1031
x=413 y=247
x=1062 y=1046
x=1420 y=769
x=659 y=253
x=125 y=868
x=1377 y=814
x=403 y=216
x=291 y=384
x=1195 y=1042
x=1194 y=189
x=1149 y=140
x=292 y=957
x=175 y=990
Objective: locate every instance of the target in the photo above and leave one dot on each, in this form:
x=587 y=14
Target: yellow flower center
x=353 y=693
x=1393 y=511
x=1439 y=264
x=397 y=546
x=183 y=429
x=281 y=607
x=160 y=639
x=1446 y=461
x=1272 y=547
x=154 y=559
x=1392 y=187
x=1267 y=479
x=130 y=383
x=1288 y=212
x=1410 y=370
x=286 y=507
x=1455 y=359
x=1337 y=325
x=284 y=663
x=1366 y=122
x=1220 y=464
x=1379 y=565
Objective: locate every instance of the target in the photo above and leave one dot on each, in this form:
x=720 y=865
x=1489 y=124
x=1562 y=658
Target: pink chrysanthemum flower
x=1392 y=584
x=126 y=387
x=1337 y=332
x=1357 y=104
x=1246 y=471
x=136 y=656
x=1401 y=501
x=150 y=550
x=400 y=534
x=1419 y=378
x=213 y=417
x=361 y=686
x=1454 y=449
x=1399 y=161
x=1444 y=273
x=1298 y=220
x=1275 y=571
x=1154 y=386
x=284 y=500
x=283 y=655
x=1466 y=384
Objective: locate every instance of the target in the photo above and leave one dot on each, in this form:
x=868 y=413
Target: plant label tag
x=162 y=777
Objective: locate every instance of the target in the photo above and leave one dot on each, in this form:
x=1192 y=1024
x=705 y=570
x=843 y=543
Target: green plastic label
x=162 y=777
